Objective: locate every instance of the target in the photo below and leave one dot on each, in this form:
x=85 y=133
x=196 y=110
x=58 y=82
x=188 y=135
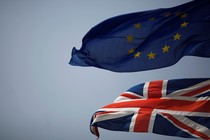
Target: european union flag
x=147 y=40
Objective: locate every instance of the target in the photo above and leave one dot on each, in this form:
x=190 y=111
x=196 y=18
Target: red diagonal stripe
x=200 y=90
x=104 y=112
x=184 y=126
x=131 y=96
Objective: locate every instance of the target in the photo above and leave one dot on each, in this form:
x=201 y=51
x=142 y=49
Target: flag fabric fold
x=178 y=107
x=147 y=40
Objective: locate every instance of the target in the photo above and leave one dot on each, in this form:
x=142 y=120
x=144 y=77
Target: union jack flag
x=179 y=107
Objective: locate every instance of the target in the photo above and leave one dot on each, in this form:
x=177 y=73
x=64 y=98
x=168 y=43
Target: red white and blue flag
x=178 y=107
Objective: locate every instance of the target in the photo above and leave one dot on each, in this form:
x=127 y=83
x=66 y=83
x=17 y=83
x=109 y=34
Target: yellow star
x=130 y=38
x=137 y=26
x=131 y=51
x=137 y=54
x=153 y=18
x=165 y=48
x=184 y=15
x=151 y=55
x=177 y=36
x=184 y=24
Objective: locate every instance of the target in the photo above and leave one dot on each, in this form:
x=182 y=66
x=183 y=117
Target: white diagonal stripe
x=193 y=125
x=182 y=113
x=123 y=98
x=120 y=112
x=189 y=89
x=190 y=123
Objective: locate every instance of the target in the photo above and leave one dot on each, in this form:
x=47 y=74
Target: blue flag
x=147 y=40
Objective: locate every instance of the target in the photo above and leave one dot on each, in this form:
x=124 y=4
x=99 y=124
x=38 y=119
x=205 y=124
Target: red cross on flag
x=169 y=107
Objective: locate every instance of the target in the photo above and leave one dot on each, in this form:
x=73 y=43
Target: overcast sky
x=42 y=97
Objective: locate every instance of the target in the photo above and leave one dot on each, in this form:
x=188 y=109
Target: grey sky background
x=42 y=97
